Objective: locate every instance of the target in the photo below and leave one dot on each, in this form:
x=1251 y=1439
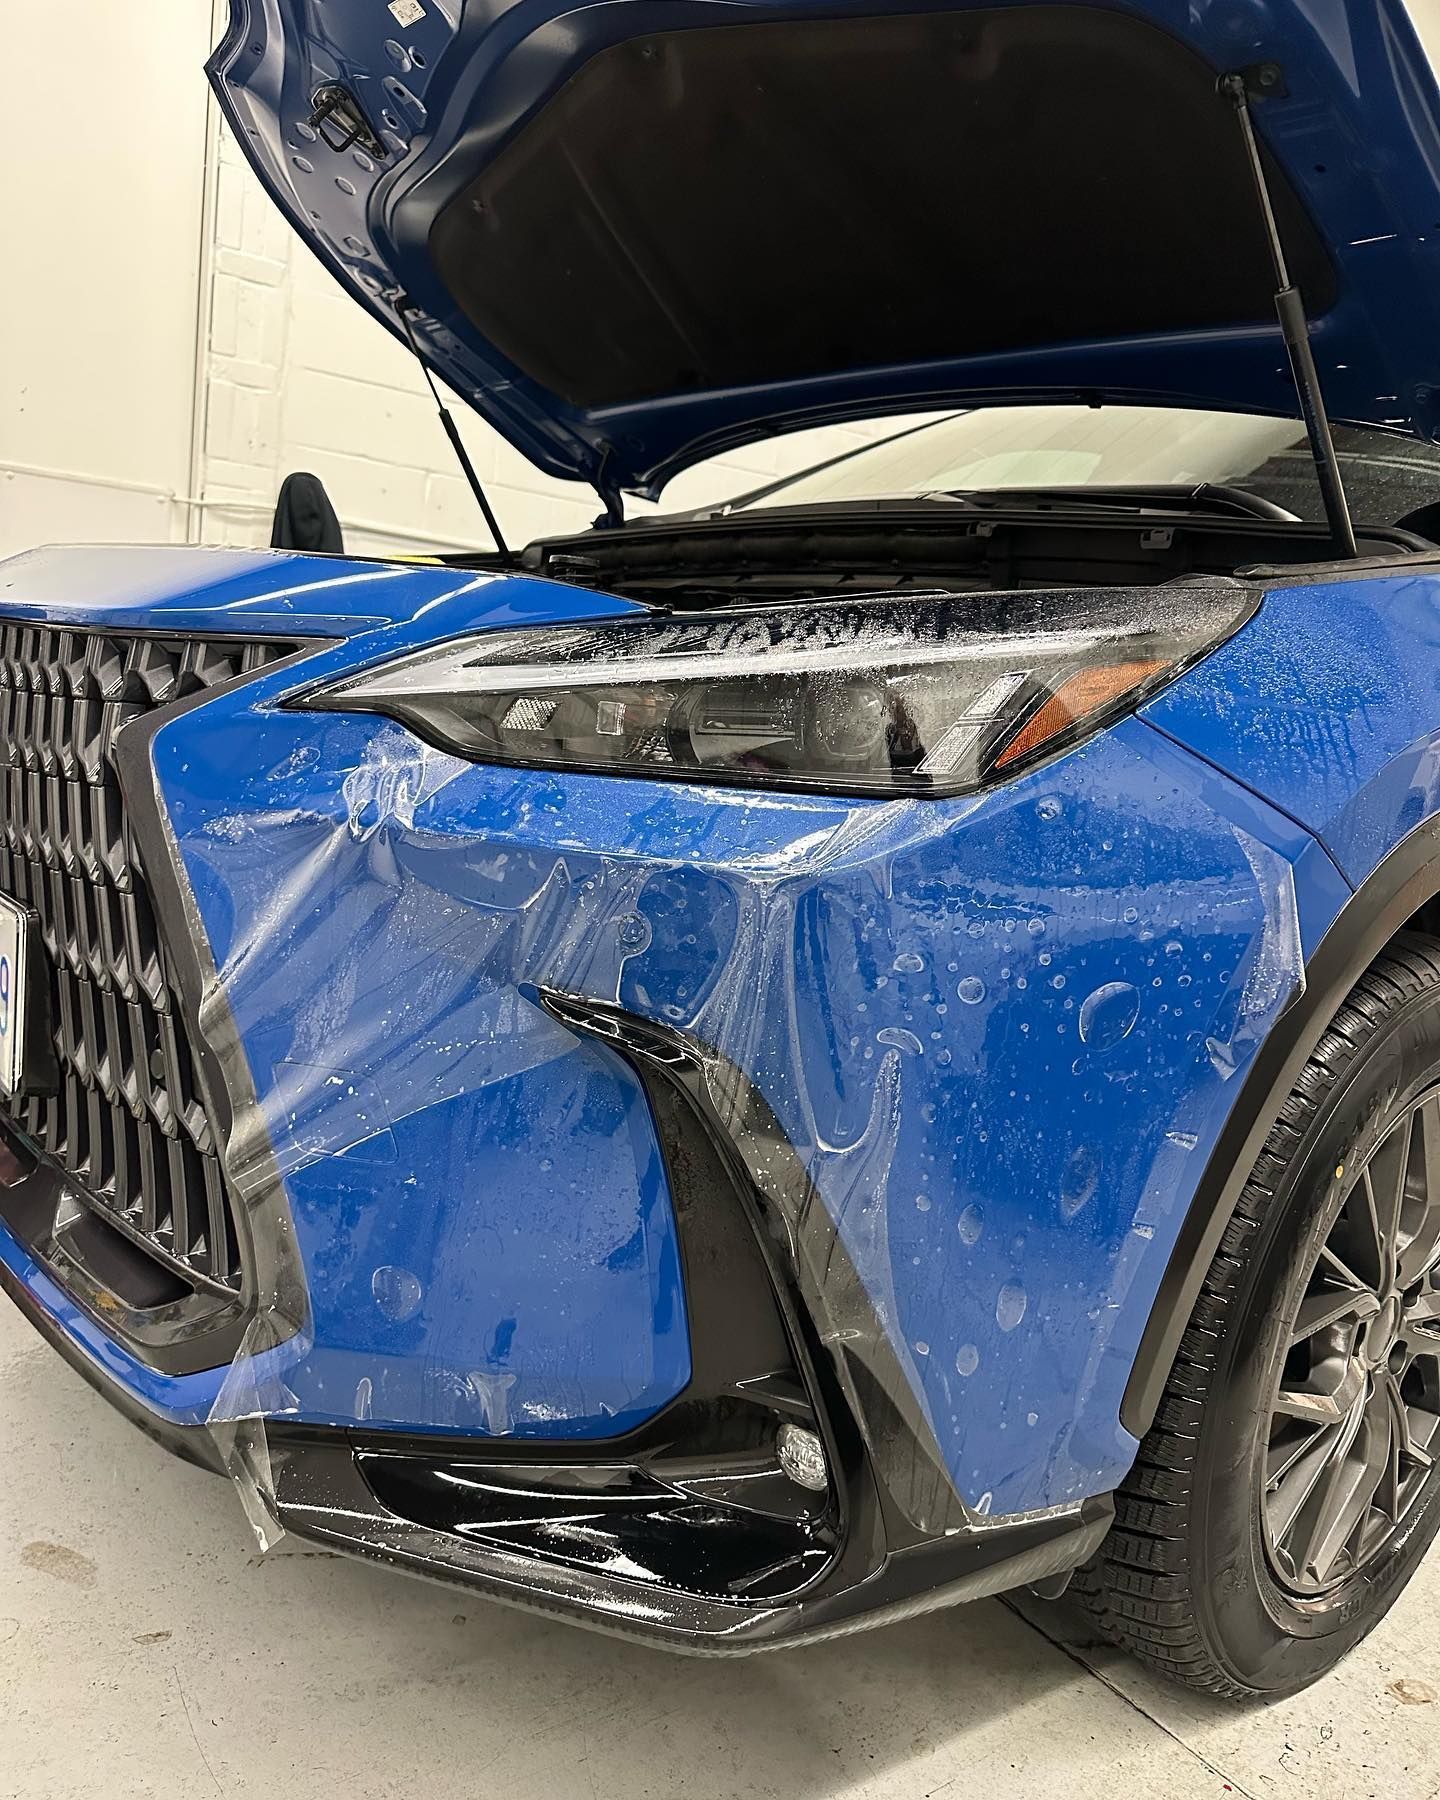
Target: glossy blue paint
x=1328 y=703
x=1001 y=1032
x=477 y=1197
x=1358 y=132
x=276 y=593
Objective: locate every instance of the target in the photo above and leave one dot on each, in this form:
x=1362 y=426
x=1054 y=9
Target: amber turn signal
x=1077 y=699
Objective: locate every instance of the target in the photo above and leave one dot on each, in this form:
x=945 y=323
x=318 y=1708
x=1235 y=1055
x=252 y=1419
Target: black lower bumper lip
x=325 y=1492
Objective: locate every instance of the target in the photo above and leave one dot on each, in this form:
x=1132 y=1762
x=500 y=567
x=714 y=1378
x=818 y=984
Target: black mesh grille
x=127 y=1121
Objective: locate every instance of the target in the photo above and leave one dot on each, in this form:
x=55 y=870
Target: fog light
x=802 y=1457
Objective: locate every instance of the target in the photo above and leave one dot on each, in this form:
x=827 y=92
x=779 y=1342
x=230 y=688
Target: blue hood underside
x=637 y=234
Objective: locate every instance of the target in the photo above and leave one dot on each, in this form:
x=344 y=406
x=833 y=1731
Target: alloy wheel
x=1354 y=1430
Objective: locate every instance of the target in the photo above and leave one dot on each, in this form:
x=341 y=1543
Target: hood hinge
x=609 y=491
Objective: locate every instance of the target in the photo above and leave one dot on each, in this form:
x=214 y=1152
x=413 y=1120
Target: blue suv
x=739 y=1075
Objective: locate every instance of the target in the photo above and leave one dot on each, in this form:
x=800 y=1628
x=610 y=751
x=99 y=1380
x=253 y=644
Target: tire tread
x=1138 y=1588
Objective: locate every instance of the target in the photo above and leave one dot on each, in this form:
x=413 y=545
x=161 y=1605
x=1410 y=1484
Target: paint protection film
x=971 y=1055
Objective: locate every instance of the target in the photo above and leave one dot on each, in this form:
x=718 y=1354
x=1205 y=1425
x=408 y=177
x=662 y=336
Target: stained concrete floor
x=147 y=1650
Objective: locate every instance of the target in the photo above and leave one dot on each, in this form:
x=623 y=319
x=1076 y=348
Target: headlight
x=933 y=694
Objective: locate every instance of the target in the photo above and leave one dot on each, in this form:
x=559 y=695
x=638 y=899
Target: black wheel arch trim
x=1385 y=902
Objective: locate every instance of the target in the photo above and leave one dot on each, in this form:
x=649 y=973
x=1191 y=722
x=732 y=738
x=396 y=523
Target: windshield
x=1390 y=479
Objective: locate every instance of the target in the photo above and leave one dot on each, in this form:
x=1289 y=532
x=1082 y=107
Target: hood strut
x=403 y=310
x=1290 y=309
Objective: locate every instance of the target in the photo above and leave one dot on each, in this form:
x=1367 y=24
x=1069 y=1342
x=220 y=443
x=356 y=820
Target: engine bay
x=780 y=556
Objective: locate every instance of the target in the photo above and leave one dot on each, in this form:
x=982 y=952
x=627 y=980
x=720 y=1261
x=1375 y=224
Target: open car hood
x=637 y=233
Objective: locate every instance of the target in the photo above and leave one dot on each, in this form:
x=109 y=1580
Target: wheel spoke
x=1323 y=1409
x=1346 y=1490
x=1420 y=1252
x=1420 y=1249
x=1299 y=1478
x=1404 y=1448
x=1407 y=1443
x=1422 y=1320
x=1328 y=1306
x=1424 y=1428
x=1329 y=1254
x=1389 y=1496
x=1385 y=1179
x=1293 y=1440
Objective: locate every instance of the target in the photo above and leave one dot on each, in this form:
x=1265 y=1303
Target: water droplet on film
x=1010 y=1304
x=396 y=1292
x=1079 y=1181
x=1108 y=1015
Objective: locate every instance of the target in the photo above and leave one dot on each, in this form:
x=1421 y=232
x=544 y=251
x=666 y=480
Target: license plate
x=14 y=949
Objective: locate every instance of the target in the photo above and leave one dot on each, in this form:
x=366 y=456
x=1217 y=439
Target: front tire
x=1291 y=1481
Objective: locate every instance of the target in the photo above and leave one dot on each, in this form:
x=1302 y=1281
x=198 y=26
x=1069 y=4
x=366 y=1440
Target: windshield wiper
x=1214 y=499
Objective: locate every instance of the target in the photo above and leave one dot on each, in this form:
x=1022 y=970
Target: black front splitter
x=322 y=1492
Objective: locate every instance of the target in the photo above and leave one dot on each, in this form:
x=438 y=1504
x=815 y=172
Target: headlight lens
x=933 y=694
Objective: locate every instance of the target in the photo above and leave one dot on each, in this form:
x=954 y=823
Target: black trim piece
x=1401 y=884
x=849 y=1353
x=979 y=544
x=1356 y=568
x=165 y=1322
x=740 y=1532
x=321 y=1493
x=263 y=1224
x=40 y=1068
x=748 y=1359
x=270 y=1260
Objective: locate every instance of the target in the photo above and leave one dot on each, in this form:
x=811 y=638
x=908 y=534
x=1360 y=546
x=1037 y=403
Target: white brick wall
x=103 y=193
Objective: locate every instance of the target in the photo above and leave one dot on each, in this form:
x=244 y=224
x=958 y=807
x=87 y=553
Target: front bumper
x=684 y=1532
x=583 y=1130
x=633 y=1537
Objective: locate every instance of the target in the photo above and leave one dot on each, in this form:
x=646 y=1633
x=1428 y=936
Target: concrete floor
x=146 y=1649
